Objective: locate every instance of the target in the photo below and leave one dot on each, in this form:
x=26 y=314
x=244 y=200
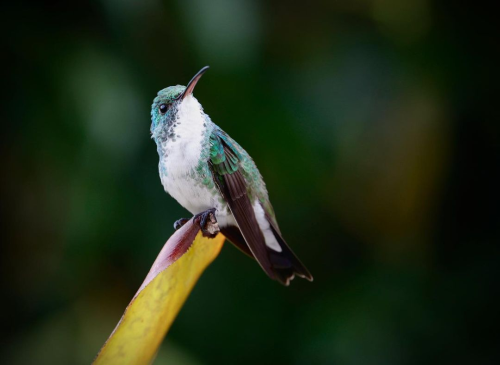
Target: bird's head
x=168 y=101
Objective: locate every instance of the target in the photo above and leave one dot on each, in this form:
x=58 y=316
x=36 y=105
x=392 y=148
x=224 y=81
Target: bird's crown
x=168 y=95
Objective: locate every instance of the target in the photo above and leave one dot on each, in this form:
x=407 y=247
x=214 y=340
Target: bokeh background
x=374 y=123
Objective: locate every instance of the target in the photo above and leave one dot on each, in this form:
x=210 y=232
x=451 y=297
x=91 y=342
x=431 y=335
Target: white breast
x=182 y=155
x=183 y=151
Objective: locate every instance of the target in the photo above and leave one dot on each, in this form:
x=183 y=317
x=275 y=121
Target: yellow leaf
x=150 y=314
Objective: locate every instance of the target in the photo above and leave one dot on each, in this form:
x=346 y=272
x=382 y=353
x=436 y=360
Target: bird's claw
x=180 y=222
x=208 y=224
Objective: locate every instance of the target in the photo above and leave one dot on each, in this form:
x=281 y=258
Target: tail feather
x=233 y=234
x=286 y=264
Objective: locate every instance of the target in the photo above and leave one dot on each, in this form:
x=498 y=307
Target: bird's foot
x=180 y=222
x=208 y=223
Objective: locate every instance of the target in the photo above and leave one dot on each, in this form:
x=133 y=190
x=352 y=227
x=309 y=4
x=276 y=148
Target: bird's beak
x=193 y=82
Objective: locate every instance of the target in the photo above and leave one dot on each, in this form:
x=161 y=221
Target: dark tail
x=284 y=265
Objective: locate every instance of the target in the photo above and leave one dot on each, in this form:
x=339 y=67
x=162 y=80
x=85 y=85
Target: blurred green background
x=374 y=123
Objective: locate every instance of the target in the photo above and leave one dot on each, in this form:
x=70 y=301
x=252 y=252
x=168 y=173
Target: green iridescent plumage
x=166 y=96
x=169 y=94
x=235 y=158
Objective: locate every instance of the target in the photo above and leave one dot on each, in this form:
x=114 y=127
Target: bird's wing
x=240 y=183
x=224 y=161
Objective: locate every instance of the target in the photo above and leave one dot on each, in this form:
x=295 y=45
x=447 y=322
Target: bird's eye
x=163 y=108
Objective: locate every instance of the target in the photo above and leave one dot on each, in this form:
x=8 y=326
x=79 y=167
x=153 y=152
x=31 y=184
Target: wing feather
x=232 y=186
x=225 y=162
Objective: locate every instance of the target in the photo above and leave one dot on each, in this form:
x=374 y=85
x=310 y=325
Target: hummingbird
x=211 y=175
